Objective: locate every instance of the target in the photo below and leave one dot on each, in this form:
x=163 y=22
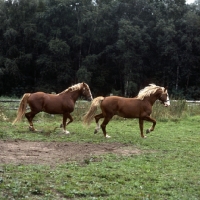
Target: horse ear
x=85 y=84
x=166 y=88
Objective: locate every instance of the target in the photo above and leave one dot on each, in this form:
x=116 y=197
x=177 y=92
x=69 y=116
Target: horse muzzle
x=167 y=103
x=90 y=98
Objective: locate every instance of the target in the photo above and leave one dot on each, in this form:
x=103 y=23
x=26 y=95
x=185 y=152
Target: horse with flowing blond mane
x=62 y=103
x=138 y=107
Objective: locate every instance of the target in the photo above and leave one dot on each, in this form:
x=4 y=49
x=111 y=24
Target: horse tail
x=88 y=117
x=22 y=108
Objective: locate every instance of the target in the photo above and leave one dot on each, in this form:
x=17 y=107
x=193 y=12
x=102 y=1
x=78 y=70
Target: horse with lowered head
x=62 y=103
x=138 y=107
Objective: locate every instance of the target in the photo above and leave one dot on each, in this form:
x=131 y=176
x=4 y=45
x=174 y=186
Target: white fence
x=13 y=104
x=17 y=101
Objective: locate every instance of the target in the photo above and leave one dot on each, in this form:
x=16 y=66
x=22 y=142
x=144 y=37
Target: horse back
x=50 y=103
x=125 y=107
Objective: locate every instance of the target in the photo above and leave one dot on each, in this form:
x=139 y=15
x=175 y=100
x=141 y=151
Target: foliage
x=115 y=45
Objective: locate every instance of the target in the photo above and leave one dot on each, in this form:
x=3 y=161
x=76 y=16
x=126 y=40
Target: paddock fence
x=13 y=104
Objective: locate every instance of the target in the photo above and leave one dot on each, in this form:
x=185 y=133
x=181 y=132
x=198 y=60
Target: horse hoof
x=147 y=131
x=31 y=129
x=67 y=132
x=95 y=131
x=108 y=136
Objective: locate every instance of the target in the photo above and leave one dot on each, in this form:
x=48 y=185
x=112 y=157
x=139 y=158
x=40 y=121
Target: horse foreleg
x=153 y=125
x=141 y=122
x=30 y=117
x=103 y=126
x=97 y=118
x=65 y=116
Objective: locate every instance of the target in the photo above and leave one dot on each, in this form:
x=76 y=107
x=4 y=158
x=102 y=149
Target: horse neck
x=75 y=94
x=153 y=97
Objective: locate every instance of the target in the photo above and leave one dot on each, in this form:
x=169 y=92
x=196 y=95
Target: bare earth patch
x=52 y=153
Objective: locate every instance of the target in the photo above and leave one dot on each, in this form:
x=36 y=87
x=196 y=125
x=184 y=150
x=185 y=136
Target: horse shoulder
x=146 y=108
x=67 y=102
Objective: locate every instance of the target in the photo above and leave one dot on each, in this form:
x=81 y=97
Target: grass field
x=167 y=166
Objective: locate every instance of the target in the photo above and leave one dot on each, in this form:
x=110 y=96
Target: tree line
x=116 y=46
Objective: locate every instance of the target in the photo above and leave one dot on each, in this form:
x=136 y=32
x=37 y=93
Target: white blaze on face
x=91 y=96
x=167 y=103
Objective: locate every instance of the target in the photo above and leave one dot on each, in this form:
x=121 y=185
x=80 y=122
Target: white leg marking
x=66 y=132
x=97 y=127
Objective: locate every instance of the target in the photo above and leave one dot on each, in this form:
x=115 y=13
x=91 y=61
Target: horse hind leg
x=103 y=126
x=30 y=116
x=97 y=118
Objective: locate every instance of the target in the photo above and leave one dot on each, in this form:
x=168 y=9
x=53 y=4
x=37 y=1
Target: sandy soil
x=52 y=153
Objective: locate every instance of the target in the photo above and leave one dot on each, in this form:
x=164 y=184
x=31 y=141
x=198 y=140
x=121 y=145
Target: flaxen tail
x=89 y=116
x=22 y=107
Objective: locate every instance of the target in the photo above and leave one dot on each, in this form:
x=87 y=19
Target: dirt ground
x=52 y=153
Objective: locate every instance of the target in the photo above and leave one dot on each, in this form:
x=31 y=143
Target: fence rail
x=17 y=101
x=14 y=104
x=9 y=100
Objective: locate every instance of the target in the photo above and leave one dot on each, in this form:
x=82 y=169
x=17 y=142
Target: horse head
x=164 y=97
x=86 y=91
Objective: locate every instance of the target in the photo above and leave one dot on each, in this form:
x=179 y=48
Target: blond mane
x=72 y=88
x=147 y=91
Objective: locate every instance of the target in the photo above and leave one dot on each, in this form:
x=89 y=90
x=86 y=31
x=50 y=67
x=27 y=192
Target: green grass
x=169 y=168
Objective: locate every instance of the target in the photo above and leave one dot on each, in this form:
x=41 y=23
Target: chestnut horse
x=62 y=103
x=138 y=107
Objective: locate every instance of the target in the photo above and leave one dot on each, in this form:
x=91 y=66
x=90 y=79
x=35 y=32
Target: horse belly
x=128 y=113
x=54 y=105
x=52 y=109
x=129 y=110
x=123 y=107
x=57 y=108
